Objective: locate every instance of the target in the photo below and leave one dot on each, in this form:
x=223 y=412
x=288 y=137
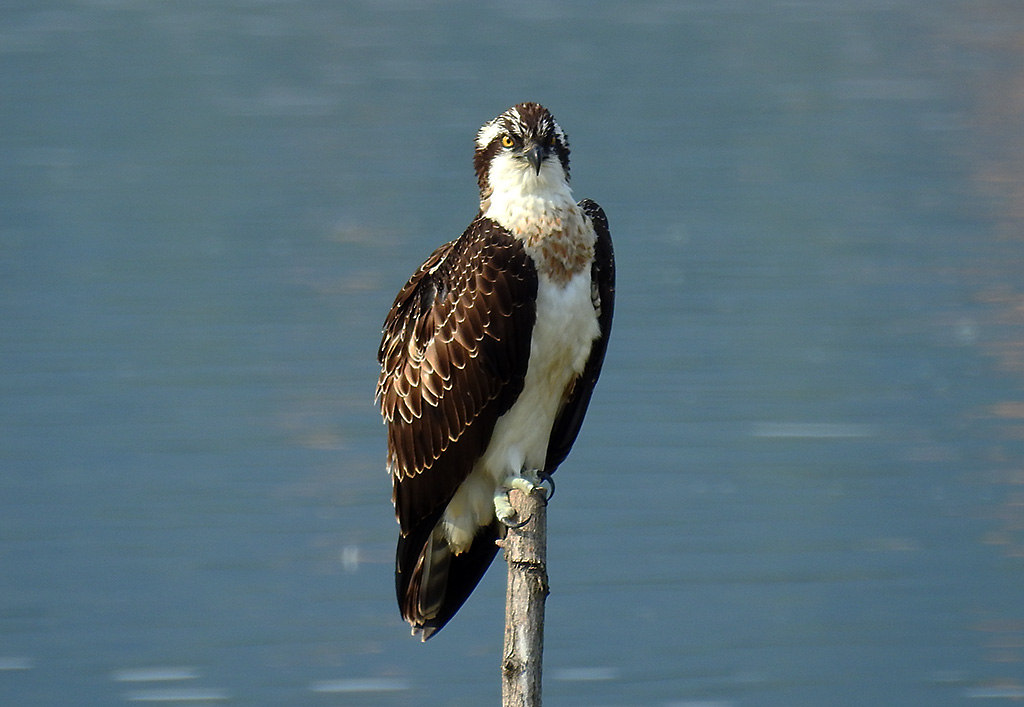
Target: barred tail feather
x=432 y=582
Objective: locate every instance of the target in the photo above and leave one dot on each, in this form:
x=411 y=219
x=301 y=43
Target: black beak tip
x=535 y=156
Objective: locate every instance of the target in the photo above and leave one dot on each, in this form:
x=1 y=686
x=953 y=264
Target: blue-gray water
x=800 y=482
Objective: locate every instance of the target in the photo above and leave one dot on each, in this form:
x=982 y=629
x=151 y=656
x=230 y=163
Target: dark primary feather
x=454 y=354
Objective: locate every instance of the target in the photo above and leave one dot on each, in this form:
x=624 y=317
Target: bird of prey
x=488 y=360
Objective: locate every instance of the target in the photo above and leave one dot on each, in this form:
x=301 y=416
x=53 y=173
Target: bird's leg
x=527 y=481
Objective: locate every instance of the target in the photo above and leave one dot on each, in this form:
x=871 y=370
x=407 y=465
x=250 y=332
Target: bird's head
x=522 y=149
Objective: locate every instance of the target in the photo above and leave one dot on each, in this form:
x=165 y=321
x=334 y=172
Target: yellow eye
x=552 y=141
x=507 y=141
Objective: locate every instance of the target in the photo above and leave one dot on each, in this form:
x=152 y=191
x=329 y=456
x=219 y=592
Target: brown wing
x=453 y=357
x=570 y=418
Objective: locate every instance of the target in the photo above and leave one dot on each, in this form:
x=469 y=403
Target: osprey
x=488 y=360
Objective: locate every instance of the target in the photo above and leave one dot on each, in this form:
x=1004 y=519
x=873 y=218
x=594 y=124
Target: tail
x=432 y=582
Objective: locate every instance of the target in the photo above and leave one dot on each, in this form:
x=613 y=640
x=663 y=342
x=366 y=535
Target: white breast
x=562 y=338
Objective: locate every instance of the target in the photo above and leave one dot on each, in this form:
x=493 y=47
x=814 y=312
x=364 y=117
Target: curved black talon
x=545 y=476
x=515 y=526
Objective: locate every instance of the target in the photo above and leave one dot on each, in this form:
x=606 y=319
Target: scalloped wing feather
x=454 y=354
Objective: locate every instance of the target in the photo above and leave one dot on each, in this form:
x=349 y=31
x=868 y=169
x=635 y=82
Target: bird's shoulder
x=484 y=269
x=595 y=213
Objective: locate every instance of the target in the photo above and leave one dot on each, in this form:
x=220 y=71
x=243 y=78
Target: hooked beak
x=535 y=156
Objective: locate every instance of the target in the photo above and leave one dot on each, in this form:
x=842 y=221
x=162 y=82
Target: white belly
x=563 y=335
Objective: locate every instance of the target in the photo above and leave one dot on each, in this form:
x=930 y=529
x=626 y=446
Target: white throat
x=521 y=198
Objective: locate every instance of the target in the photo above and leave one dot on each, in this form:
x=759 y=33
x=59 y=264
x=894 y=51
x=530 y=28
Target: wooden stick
x=526 y=554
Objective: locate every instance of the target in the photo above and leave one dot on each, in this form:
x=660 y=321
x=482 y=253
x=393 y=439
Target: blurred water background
x=801 y=480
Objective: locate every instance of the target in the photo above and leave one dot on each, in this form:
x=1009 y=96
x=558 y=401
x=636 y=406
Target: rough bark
x=526 y=555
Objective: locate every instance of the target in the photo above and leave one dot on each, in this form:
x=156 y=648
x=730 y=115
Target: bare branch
x=526 y=555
